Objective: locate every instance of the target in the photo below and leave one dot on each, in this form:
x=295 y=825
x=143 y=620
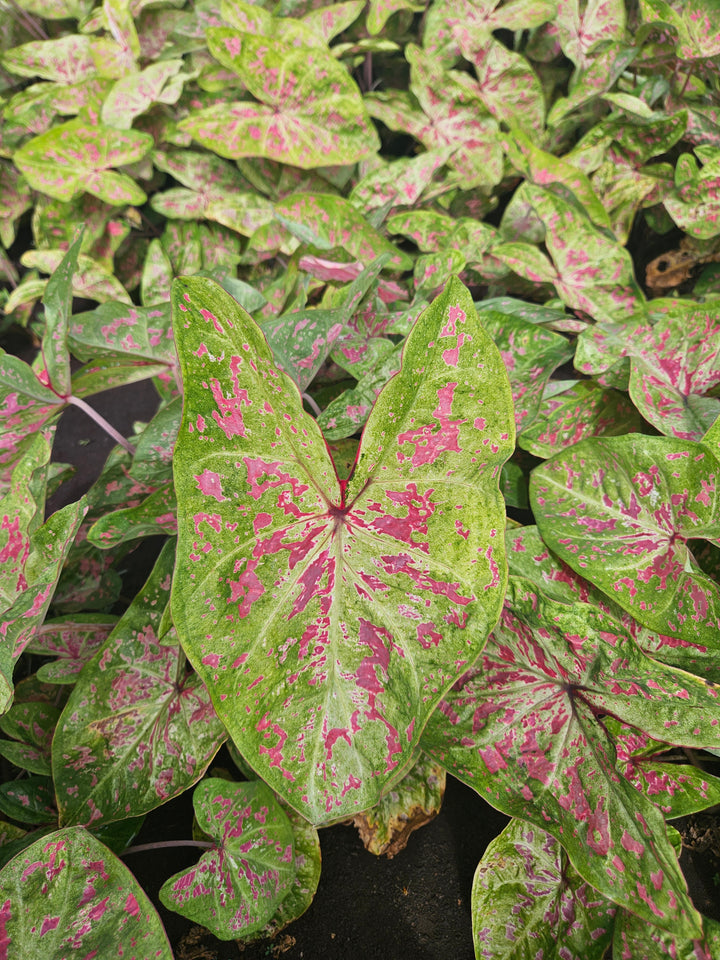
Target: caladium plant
x=356 y=249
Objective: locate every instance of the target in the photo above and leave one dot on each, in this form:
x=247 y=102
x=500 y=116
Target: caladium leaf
x=332 y=221
x=58 y=307
x=346 y=414
x=582 y=28
x=63 y=60
x=155 y=516
x=68 y=892
x=697 y=27
x=29 y=800
x=634 y=937
x=134 y=94
x=508 y=86
x=559 y=667
x=31 y=726
x=310 y=111
x=591 y=272
x=411 y=803
x=530 y=355
x=291 y=563
x=527 y=901
x=237 y=887
x=621 y=510
x=302 y=340
x=75 y=157
x=138 y=729
x=584 y=410
x=91 y=280
x=123 y=331
x=678 y=789
x=73 y=640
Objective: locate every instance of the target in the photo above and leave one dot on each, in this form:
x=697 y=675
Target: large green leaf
x=620 y=511
x=310 y=112
x=67 y=894
x=137 y=729
x=327 y=619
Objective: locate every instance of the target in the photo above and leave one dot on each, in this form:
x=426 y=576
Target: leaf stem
x=102 y=422
x=164 y=844
x=311 y=403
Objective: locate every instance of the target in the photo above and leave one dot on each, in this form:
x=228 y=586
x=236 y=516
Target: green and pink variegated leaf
x=620 y=511
x=91 y=280
x=328 y=21
x=330 y=221
x=583 y=27
x=599 y=76
x=123 y=331
x=238 y=885
x=527 y=900
x=15 y=199
x=26 y=406
x=68 y=895
x=380 y=11
x=282 y=569
x=678 y=789
x=452 y=103
x=346 y=414
x=594 y=273
x=508 y=86
x=522 y=727
x=310 y=112
x=77 y=156
x=29 y=801
x=31 y=726
x=63 y=60
x=675 y=364
x=584 y=410
x=530 y=354
x=302 y=340
x=138 y=728
x=72 y=640
x=635 y=937
x=411 y=803
x=696 y=25
x=135 y=93
x=57 y=302
x=694 y=204
x=155 y=516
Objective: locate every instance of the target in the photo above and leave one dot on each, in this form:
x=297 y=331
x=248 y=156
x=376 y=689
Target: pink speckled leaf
x=301 y=341
x=620 y=511
x=583 y=27
x=239 y=884
x=635 y=938
x=26 y=406
x=310 y=112
x=77 y=156
x=523 y=727
x=527 y=900
x=31 y=726
x=133 y=94
x=508 y=86
x=91 y=280
x=593 y=272
x=331 y=221
x=68 y=895
x=138 y=728
x=530 y=354
x=64 y=60
x=696 y=26
x=694 y=204
x=123 y=331
x=57 y=302
x=285 y=575
x=583 y=410
x=72 y=640
x=32 y=555
x=155 y=516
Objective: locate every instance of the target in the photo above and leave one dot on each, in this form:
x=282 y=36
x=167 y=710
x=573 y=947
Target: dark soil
x=413 y=907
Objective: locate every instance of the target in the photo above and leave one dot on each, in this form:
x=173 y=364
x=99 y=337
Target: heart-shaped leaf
x=523 y=727
x=281 y=571
x=76 y=156
x=527 y=899
x=68 y=893
x=237 y=887
x=620 y=511
x=310 y=112
x=147 y=724
x=73 y=640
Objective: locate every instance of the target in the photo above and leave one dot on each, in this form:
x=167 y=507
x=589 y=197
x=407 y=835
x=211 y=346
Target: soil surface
x=413 y=907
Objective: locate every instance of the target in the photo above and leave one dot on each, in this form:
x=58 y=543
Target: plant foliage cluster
x=355 y=617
